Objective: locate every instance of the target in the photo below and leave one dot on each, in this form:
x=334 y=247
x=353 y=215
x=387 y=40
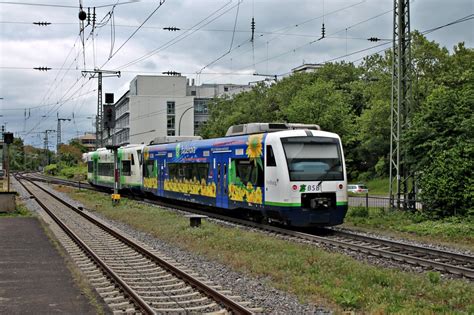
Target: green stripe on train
x=297 y=204
x=283 y=204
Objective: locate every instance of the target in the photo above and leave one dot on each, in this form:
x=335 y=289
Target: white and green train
x=100 y=167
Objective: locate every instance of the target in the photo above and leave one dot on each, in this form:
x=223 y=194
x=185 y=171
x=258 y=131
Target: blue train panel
x=225 y=173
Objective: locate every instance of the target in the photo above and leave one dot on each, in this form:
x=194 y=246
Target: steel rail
x=414 y=260
x=411 y=247
x=429 y=263
x=147 y=309
x=228 y=303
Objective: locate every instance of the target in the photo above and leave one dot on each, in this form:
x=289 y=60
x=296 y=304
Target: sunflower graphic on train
x=245 y=175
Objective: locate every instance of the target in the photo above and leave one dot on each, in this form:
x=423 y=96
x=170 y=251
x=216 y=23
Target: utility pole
x=46 y=145
x=99 y=129
x=58 y=137
x=401 y=106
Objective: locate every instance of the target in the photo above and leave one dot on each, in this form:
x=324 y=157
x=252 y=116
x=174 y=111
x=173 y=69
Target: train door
x=221 y=163
x=95 y=166
x=161 y=175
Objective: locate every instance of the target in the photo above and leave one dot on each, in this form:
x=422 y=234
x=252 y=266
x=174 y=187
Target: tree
x=69 y=154
x=320 y=103
x=441 y=148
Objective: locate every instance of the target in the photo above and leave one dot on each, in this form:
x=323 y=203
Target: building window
x=200 y=106
x=170 y=106
x=170 y=123
x=170 y=118
x=226 y=89
x=193 y=93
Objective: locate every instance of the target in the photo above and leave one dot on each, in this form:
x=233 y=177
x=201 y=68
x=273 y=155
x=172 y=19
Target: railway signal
x=8 y=139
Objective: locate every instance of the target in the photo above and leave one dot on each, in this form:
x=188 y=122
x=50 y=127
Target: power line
x=133 y=34
x=62 y=5
x=181 y=37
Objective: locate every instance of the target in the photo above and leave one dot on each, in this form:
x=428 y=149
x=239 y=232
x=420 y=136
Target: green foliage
x=358 y=212
x=434 y=277
x=323 y=104
x=51 y=169
x=441 y=148
x=78 y=172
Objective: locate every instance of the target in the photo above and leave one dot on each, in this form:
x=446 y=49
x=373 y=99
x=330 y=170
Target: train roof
x=253 y=128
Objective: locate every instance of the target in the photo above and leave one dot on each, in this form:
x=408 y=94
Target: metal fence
x=383 y=202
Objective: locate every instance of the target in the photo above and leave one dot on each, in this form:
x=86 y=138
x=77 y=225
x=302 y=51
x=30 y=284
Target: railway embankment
x=278 y=272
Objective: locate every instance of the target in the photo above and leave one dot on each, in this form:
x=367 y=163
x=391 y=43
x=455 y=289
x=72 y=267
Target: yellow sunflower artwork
x=254 y=148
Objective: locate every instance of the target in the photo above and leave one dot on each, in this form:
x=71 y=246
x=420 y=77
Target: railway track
x=130 y=276
x=427 y=258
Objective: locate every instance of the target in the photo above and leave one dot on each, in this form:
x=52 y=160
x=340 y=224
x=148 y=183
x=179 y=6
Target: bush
x=358 y=212
x=447 y=184
x=51 y=169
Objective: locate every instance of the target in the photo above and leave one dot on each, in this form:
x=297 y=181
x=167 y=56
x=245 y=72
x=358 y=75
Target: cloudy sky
x=213 y=45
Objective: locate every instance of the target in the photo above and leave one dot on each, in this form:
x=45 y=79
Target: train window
x=313 y=158
x=247 y=171
x=270 y=156
x=105 y=169
x=149 y=168
x=202 y=171
x=126 y=168
x=90 y=167
x=188 y=171
x=139 y=155
x=132 y=159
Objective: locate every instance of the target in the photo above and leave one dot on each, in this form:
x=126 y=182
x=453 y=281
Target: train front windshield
x=313 y=158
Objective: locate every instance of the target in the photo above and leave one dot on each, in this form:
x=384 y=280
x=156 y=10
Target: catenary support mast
x=401 y=179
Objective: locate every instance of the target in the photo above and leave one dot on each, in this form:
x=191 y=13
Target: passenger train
x=290 y=174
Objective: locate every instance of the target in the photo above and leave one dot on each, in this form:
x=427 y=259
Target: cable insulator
x=172 y=29
x=42 y=23
x=373 y=39
x=323 y=31
x=253 y=29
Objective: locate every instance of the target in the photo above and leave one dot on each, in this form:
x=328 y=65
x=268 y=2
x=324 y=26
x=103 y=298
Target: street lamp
x=181 y=117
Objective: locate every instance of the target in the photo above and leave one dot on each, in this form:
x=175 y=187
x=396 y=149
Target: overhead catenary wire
x=160 y=4
x=182 y=36
x=62 y=5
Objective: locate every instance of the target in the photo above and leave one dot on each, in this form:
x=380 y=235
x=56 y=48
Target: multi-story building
x=158 y=106
x=88 y=141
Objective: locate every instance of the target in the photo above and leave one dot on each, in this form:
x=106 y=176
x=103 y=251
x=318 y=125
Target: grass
x=312 y=274
x=453 y=231
x=377 y=186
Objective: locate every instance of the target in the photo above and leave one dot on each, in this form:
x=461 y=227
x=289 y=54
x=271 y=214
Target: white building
x=158 y=106
x=307 y=67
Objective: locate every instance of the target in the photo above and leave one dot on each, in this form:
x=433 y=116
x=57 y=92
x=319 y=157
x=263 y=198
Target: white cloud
x=283 y=31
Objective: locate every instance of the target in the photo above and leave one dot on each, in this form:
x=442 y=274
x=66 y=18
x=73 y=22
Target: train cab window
x=270 y=156
x=90 y=166
x=126 y=168
x=132 y=159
